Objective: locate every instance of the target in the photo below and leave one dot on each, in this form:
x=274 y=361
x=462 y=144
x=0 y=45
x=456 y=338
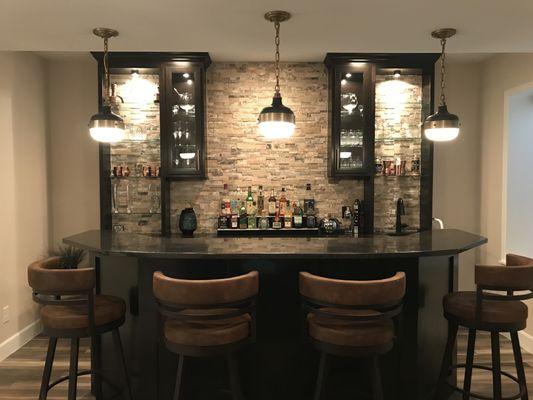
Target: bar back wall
x=239 y=156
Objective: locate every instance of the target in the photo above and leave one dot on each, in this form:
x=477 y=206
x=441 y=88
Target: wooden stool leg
x=496 y=368
x=122 y=361
x=446 y=360
x=469 y=362
x=47 y=372
x=179 y=374
x=519 y=365
x=377 y=388
x=235 y=380
x=320 y=390
x=96 y=367
x=73 y=369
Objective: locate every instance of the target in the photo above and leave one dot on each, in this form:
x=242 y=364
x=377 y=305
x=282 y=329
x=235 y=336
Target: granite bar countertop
x=428 y=243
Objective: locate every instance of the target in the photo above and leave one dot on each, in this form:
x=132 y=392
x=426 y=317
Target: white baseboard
x=526 y=341
x=19 y=339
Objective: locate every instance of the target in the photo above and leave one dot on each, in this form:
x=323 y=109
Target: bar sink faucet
x=400 y=210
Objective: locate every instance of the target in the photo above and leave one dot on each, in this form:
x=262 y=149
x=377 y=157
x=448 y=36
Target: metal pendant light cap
x=277 y=112
x=106 y=119
x=442 y=119
x=105 y=33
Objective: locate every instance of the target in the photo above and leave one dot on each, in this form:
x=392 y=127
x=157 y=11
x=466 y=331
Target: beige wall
x=73 y=158
x=500 y=74
x=24 y=211
x=456 y=190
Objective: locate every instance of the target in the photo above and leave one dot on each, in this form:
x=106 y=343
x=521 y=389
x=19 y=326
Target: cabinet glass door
x=352 y=126
x=185 y=121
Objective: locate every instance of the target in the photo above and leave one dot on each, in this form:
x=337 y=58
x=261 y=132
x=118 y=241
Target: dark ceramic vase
x=187 y=222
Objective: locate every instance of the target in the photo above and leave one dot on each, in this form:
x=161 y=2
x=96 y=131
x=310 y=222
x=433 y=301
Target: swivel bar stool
x=207 y=318
x=71 y=310
x=351 y=319
x=489 y=311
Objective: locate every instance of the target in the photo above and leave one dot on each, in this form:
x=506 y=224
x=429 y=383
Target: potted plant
x=69 y=257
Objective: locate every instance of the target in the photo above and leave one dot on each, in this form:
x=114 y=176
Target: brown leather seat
x=200 y=322
x=348 y=333
x=107 y=309
x=208 y=332
x=499 y=314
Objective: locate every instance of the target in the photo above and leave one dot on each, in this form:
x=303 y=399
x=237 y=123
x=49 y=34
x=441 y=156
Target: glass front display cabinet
x=161 y=98
x=377 y=103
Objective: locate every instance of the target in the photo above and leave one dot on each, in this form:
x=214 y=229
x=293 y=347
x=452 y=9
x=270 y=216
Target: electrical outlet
x=5 y=314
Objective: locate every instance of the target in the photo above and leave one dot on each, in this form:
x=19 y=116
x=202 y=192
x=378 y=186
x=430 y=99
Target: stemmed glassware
x=114 y=199
x=185 y=101
x=349 y=102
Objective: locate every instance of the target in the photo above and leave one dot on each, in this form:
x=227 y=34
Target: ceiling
x=234 y=30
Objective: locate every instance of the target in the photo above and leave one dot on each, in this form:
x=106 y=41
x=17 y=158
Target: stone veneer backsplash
x=238 y=155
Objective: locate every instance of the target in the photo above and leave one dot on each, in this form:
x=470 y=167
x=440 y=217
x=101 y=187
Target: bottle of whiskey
x=260 y=201
x=250 y=209
x=272 y=204
x=309 y=201
x=276 y=224
x=223 y=214
x=287 y=218
x=298 y=215
x=282 y=202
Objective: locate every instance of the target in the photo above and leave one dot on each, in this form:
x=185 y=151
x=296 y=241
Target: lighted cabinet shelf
x=162 y=105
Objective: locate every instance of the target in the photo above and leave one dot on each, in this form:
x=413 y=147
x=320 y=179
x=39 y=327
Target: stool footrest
x=118 y=391
x=520 y=393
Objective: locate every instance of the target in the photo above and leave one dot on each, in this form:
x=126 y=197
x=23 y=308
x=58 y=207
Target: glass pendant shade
x=106 y=126
x=276 y=121
x=441 y=126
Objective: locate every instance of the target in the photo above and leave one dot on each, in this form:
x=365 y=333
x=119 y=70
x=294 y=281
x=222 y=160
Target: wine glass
x=349 y=102
x=185 y=101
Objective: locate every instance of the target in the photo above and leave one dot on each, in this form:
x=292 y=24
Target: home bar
x=186 y=194
x=323 y=215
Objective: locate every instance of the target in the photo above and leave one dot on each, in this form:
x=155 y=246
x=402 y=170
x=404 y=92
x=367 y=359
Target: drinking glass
x=349 y=102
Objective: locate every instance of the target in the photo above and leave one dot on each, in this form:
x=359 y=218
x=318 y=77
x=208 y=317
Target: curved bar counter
x=281 y=365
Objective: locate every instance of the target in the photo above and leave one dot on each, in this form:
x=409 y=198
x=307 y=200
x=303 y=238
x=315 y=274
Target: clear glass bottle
x=272 y=204
x=250 y=209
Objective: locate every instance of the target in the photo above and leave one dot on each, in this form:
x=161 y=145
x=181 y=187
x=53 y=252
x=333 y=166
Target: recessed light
x=343 y=81
x=189 y=81
x=186 y=75
x=348 y=75
x=397 y=73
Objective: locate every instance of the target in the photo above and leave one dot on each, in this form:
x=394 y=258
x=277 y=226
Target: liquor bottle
x=309 y=201
x=234 y=221
x=223 y=196
x=260 y=201
x=287 y=218
x=242 y=209
x=298 y=215
x=272 y=204
x=243 y=221
x=282 y=202
x=250 y=209
x=356 y=220
x=276 y=224
x=227 y=200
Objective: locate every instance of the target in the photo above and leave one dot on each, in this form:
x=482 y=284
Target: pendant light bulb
x=442 y=126
x=105 y=126
x=277 y=121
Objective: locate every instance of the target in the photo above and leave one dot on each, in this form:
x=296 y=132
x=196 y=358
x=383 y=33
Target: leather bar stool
x=493 y=312
x=351 y=319
x=207 y=318
x=71 y=310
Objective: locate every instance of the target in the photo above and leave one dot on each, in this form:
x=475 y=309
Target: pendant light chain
x=106 y=72
x=442 y=72
x=276 y=41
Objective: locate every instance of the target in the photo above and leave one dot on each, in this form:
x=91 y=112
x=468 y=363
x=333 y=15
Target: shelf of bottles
x=184 y=140
x=352 y=123
x=258 y=213
x=135 y=161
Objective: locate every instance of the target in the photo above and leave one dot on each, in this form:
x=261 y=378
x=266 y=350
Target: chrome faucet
x=400 y=210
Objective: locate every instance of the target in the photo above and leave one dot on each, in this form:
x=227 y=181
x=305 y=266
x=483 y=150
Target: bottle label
x=271 y=207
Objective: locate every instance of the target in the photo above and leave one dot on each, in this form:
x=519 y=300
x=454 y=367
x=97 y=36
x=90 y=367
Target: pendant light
x=106 y=126
x=276 y=121
x=442 y=126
